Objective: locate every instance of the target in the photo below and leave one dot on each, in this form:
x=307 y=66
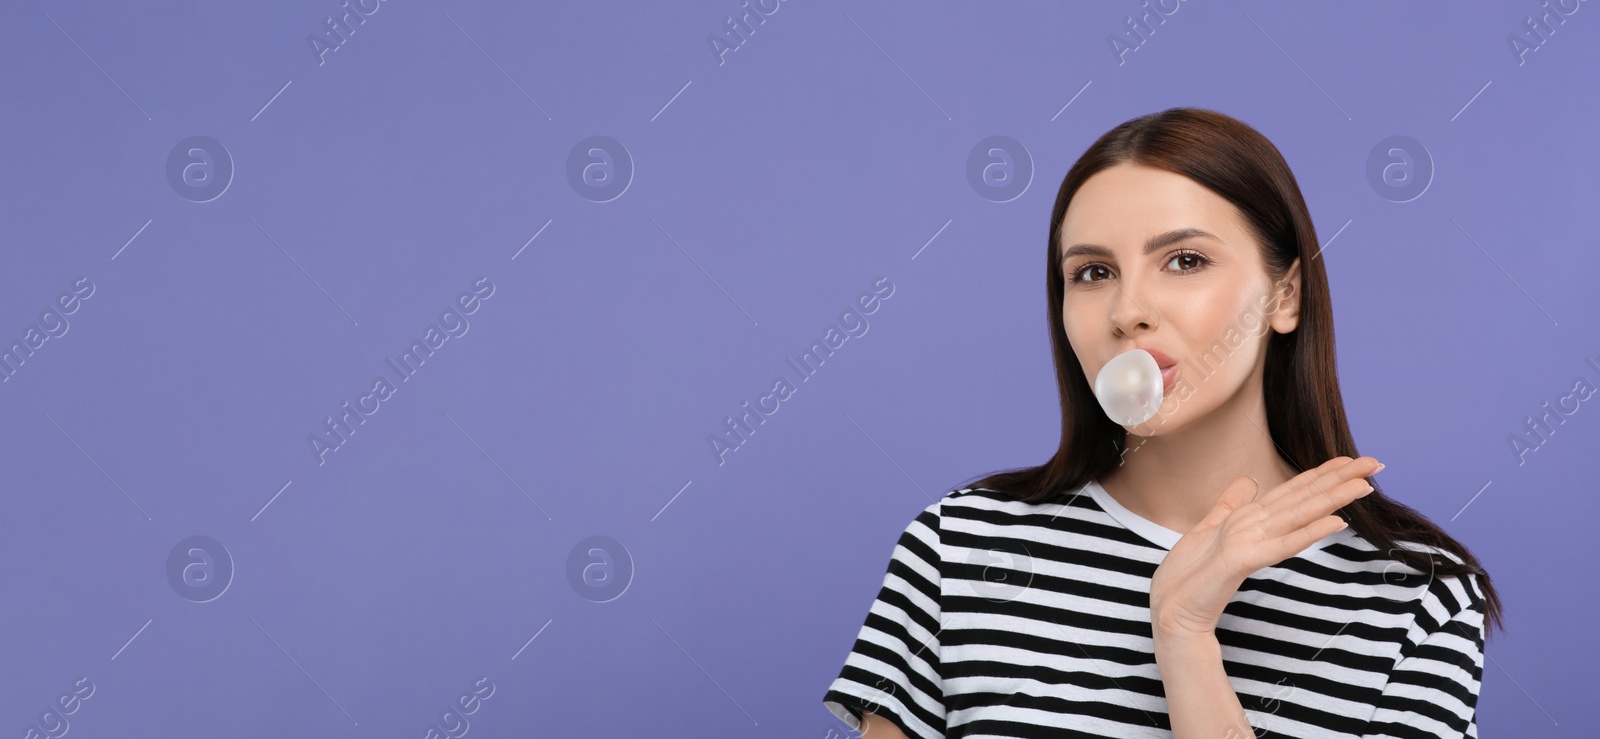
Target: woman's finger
x=1324 y=486
x=1315 y=506
x=1294 y=543
x=1318 y=480
x=1242 y=490
x=1302 y=481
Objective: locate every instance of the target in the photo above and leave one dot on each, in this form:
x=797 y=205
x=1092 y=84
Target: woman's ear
x=1285 y=315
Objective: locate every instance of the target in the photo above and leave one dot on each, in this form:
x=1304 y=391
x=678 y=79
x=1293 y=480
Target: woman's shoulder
x=930 y=519
x=1432 y=573
x=990 y=499
x=968 y=519
x=981 y=505
x=965 y=507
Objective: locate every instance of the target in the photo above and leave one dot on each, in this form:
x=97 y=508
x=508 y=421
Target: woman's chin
x=1169 y=417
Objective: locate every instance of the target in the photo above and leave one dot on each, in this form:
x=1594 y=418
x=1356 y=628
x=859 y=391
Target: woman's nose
x=1131 y=308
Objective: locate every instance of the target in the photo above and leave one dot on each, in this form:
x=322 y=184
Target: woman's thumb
x=1242 y=490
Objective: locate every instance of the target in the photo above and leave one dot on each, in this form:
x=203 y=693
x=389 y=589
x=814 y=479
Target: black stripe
x=1352 y=641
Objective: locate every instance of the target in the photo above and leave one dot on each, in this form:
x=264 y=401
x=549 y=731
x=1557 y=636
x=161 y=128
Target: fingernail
x=1380 y=468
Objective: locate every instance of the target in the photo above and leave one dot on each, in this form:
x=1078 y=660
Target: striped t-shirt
x=999 y=618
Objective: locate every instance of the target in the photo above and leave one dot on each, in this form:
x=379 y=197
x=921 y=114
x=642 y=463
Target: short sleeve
x=1433 y=688
x=893 y=669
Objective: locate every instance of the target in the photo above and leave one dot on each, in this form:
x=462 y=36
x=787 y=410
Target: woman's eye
x=1079 y=275
x=1179 y=257
x=1195 y=259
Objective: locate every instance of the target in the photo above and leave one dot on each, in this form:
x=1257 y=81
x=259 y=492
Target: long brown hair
x=1306 y=419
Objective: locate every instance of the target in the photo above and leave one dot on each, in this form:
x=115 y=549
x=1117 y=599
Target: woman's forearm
x=1201 y=703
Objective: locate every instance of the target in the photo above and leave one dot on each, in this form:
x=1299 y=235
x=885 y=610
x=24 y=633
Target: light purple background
x=767 y=193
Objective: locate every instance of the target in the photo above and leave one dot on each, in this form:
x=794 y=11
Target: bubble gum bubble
x=1129 y=387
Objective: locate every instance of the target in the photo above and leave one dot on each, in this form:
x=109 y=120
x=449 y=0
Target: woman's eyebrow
x=1155 y=242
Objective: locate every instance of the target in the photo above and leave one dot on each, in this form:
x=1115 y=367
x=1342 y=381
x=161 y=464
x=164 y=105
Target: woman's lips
x=1168 y=366
x=1162 y=360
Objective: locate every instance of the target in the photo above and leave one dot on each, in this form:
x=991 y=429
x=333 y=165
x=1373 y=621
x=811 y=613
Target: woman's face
x=1164 y=264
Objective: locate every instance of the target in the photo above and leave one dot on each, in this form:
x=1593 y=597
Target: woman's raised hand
x=1245 y=532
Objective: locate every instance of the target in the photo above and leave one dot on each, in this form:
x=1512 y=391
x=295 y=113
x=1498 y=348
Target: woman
x=1228 y=567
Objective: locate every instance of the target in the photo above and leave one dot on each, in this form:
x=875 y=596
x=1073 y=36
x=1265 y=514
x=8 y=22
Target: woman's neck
x=1174 y=478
